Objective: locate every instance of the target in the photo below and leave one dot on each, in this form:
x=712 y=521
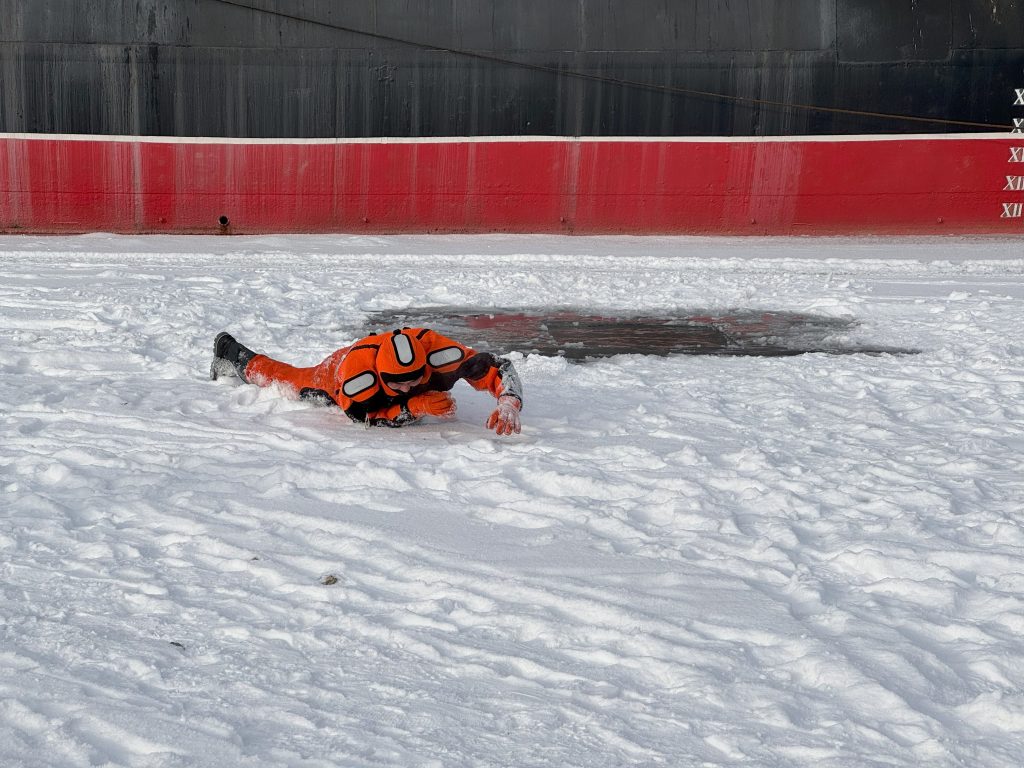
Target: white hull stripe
x=996 y=135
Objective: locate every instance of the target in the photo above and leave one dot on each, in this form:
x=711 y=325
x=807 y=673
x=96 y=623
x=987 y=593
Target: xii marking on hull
x=1015 y=183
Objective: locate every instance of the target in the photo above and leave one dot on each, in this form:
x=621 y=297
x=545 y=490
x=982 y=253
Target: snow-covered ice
x=682 y=561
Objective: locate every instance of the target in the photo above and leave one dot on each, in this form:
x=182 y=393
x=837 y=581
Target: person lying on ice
x=389 y=379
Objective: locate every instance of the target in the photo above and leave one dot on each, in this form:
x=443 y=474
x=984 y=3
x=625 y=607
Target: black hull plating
x=509 y=67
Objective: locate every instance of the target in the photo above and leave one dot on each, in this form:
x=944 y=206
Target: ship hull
x=640 y=116
x=397 y=68
x=950 y=184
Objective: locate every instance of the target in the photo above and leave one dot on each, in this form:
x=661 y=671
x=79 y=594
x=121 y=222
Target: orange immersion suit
x=350 y=377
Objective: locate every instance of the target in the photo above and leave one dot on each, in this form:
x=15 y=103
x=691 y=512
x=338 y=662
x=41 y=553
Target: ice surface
x=582 y=336
x=682 y=561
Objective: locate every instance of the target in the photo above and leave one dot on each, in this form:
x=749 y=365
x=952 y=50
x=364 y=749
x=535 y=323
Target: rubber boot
x=229 y=357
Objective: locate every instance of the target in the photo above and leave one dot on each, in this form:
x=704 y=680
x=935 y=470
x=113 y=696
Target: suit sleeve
x=397 y=415
x=482 y=370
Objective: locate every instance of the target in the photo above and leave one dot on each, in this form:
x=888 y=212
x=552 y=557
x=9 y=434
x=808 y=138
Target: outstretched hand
x=432 y=404
x=504 y=420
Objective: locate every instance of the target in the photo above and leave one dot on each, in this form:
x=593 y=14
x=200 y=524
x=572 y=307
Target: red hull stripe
x=916 y=184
